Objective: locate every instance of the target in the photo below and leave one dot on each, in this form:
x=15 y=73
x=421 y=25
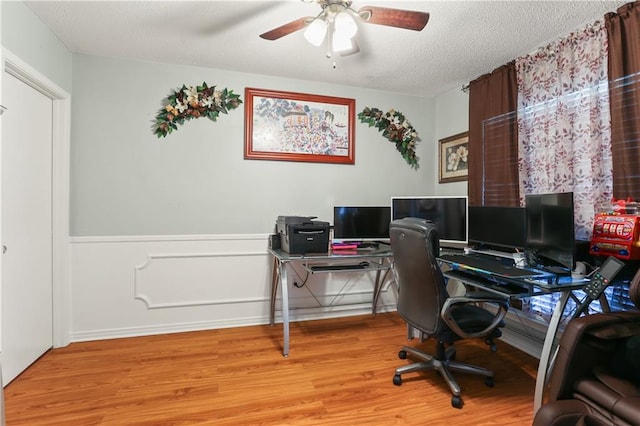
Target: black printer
x=301 y=235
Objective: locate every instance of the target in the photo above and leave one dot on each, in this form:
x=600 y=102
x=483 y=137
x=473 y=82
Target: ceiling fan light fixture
x=316 y=31
x=341 y=41
x=344 y=23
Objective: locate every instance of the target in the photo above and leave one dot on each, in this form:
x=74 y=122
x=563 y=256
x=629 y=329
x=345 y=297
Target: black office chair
x=423 y=302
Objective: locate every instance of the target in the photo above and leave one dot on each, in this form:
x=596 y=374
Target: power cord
x=304 y=282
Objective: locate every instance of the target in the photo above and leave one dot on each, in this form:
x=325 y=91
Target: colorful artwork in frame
x=453 y=156
x=298 y=127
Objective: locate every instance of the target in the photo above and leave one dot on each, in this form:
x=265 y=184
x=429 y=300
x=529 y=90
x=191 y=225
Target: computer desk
x=379 y=260
x=519 y=287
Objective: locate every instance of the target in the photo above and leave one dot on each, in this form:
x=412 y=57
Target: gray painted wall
x=452 y=118
x=28 y=38
x=126 y=181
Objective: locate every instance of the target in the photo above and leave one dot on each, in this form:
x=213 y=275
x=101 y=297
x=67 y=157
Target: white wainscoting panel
x=195 y=275
x=132 y=286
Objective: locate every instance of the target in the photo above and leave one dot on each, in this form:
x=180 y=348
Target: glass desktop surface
x=382 y=251
x=551 y=283
x=545 y=282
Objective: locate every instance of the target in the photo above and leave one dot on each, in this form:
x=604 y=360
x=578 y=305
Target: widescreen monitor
x=500 y=228
x=550 y=229
x=370 y=223
x=448 y=213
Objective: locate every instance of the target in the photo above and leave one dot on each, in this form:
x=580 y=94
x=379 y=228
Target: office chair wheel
x=489 y=382
x=402 y=354
x=397 y=380
x=456 y=401
x=492 y=346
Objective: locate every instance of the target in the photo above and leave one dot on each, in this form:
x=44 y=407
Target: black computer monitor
x=361 y=223
x=448 y=213
x=550 y=229
x=500 y=228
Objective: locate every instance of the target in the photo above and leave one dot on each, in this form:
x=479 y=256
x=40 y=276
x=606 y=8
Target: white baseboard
x=295 y=315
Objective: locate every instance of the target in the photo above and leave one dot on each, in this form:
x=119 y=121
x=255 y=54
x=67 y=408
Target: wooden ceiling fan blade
x=286 y=29
x=407 y=19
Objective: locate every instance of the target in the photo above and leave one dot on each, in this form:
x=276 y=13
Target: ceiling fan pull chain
x=329 y=47
x=330 y=53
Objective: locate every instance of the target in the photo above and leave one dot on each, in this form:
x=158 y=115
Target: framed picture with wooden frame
x=453 y=156
x=298 y=127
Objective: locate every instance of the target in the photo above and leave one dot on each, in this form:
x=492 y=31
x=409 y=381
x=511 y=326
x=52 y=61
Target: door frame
x=60 y=156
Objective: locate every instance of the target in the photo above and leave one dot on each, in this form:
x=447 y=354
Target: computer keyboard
x=504 y=289
x=488 y=264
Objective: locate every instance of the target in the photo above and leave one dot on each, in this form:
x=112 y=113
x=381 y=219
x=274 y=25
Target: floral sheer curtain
x=564 y=123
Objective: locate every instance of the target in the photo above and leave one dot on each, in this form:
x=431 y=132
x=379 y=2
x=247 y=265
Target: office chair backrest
x=422 y=290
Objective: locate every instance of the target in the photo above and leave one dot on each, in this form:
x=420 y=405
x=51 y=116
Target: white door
x=27 y=292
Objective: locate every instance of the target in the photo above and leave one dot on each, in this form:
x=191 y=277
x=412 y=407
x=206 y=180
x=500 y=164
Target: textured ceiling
x=463 y=39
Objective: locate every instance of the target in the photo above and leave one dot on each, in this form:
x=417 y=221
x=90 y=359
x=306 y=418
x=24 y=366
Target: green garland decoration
x=194 y=102
x=396 y=128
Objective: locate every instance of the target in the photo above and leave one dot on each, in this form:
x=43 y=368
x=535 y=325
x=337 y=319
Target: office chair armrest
x=476 y=297
x=480 y=294
x=451 y=302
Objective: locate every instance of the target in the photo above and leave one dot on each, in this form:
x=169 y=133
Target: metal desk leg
x=377 y=289
x=275 y=277
x=546 y=363
x=284 y=289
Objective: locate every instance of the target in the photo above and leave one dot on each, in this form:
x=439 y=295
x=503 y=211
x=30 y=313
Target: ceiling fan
x=337 y=24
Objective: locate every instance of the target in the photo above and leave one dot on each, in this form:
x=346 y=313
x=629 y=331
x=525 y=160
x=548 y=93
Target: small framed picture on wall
x=453 y=156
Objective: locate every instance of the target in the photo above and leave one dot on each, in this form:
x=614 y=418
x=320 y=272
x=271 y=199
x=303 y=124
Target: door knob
x=4 y=249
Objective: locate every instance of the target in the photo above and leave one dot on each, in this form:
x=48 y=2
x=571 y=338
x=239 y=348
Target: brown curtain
x=623 y=30
x=493 y=138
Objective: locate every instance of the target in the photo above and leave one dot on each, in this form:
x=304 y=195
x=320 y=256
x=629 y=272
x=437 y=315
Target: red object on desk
x=616 y=235
x=344 y=246
x=346 y=252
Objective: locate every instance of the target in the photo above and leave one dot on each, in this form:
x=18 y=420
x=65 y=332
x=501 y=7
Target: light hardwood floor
x=339 y=372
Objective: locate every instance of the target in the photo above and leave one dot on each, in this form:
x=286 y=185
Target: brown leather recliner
x=595 y=379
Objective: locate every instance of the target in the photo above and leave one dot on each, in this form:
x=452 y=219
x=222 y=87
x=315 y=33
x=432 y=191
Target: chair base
x=444 y=367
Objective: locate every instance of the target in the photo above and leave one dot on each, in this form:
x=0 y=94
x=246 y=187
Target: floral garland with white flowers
x=396 y=128
x=194 y=102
